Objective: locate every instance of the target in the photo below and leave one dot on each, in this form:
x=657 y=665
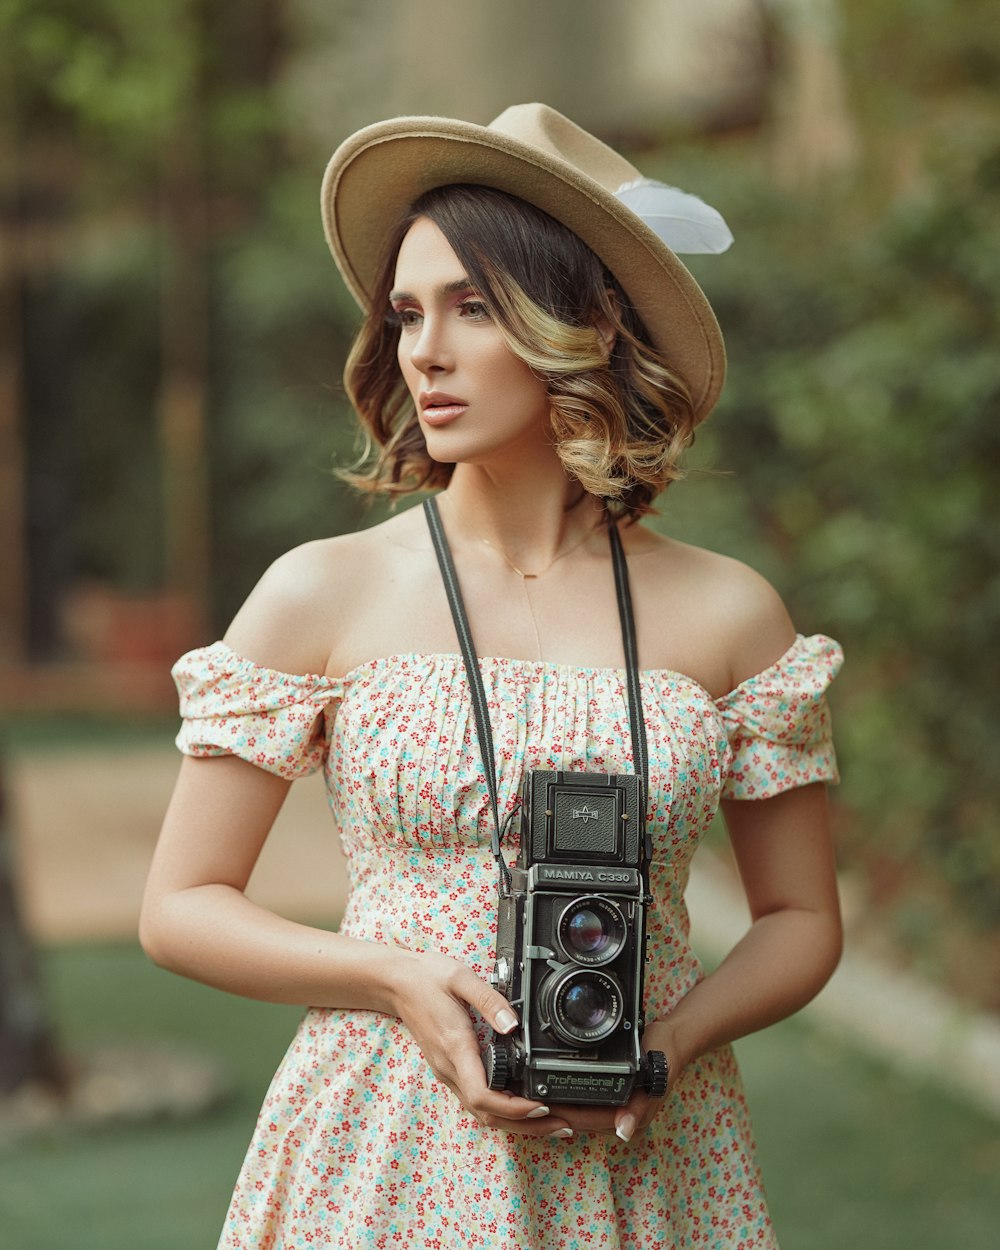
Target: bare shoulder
x=303 y=601
x=723 y=603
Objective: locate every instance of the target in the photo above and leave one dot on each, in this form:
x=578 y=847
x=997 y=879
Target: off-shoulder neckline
x=514 y=661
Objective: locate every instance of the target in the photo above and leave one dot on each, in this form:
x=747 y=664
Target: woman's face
x=475 y=399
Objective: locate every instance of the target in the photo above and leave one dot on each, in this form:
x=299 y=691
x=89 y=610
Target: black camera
x=571 y=945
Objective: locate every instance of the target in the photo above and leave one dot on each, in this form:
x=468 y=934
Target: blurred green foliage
x=859 y=436
x=862 y=425
x=100 y=104
x=854 y=456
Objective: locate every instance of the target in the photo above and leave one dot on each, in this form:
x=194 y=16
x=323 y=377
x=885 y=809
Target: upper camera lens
x=592 y=930
x=586 y=932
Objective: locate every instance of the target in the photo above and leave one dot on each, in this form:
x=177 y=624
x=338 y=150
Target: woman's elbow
x=150 y=937
x=827 y=949
x=155 y=933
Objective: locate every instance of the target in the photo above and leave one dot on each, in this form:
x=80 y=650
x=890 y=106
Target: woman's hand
x=432 y=999
x=432 y=996
x=640 y=1110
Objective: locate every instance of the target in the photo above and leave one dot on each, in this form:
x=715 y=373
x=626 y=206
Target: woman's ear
x=608 y=333
x=604 y=325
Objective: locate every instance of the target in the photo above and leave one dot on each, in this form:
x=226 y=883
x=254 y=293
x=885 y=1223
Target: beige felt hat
x=535 y=153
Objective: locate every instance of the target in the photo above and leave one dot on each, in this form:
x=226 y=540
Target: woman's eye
x=475 y=309
x=403 y=317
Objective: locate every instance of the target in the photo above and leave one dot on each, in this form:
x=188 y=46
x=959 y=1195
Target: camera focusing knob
x=500 y=976
x=496 y=1060
x=657 y=1074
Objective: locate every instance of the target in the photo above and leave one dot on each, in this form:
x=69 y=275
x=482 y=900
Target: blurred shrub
x=280 y=420
x=861 y=423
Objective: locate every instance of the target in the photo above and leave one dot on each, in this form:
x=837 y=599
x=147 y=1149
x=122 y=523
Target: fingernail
x=625 y=1127
x=537 y=1113
x=506 y=1020
x=562 y=1132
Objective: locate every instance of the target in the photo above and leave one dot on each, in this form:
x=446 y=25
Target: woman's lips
x=441 y=414
x=440 y=409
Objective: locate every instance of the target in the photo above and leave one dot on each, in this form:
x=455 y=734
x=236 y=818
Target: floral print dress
x=358 y=1146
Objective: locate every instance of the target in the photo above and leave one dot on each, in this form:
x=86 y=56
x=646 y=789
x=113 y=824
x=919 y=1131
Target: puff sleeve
x=778 y=723
x=231 y=706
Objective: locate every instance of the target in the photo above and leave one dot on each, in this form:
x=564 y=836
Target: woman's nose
x=430 y=352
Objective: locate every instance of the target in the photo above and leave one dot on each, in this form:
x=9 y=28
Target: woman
x=532 y=348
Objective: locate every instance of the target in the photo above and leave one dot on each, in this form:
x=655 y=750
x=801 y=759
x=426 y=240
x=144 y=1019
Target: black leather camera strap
x=479 y=705
x=640 y=754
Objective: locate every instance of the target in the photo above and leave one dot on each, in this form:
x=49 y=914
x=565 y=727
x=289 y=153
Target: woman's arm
x=784 y=853
x=785 y=857
x=197 y=921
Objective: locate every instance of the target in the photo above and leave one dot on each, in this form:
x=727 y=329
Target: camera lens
x=582 y=1007
x=587 y=1005
x=586 y=932
x=591 y=930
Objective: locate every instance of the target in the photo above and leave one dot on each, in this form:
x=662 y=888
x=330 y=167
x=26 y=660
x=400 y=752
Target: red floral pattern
x=357 y=1144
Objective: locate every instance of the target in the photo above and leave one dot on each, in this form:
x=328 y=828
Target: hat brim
x=376 y=174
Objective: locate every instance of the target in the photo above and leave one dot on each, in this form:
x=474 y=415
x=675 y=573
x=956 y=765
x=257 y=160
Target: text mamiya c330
x=571 y=945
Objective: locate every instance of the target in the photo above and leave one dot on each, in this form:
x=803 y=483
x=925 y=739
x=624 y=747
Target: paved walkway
x=86 y=822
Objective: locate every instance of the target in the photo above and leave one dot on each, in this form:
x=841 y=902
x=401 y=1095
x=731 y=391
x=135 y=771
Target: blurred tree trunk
x=28 y=1051
x=13 y=567
x=183 y=399
x=813 y=132
x=13 y=571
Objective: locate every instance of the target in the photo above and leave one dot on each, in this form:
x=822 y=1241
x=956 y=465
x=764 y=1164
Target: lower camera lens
x=588 y=1005
x=582 y=1006
x=591 y=930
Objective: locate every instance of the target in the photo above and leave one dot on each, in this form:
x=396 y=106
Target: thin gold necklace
x=526 y=577
x=560 y=555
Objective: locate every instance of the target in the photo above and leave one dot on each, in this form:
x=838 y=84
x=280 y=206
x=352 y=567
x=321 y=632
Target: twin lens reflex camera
x=571 y=941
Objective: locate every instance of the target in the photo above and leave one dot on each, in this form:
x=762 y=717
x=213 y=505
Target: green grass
x=27 y=731
x=855 y=1154
x=852 y=1153
x=165 y=1185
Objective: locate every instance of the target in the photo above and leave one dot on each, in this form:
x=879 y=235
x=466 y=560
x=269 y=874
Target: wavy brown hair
x=620 y=419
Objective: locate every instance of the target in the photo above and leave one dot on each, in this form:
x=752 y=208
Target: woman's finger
x=488 y=1002
x=635 y=1115
x=483 y=1102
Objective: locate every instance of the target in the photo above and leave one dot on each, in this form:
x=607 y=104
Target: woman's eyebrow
x=448 y=288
